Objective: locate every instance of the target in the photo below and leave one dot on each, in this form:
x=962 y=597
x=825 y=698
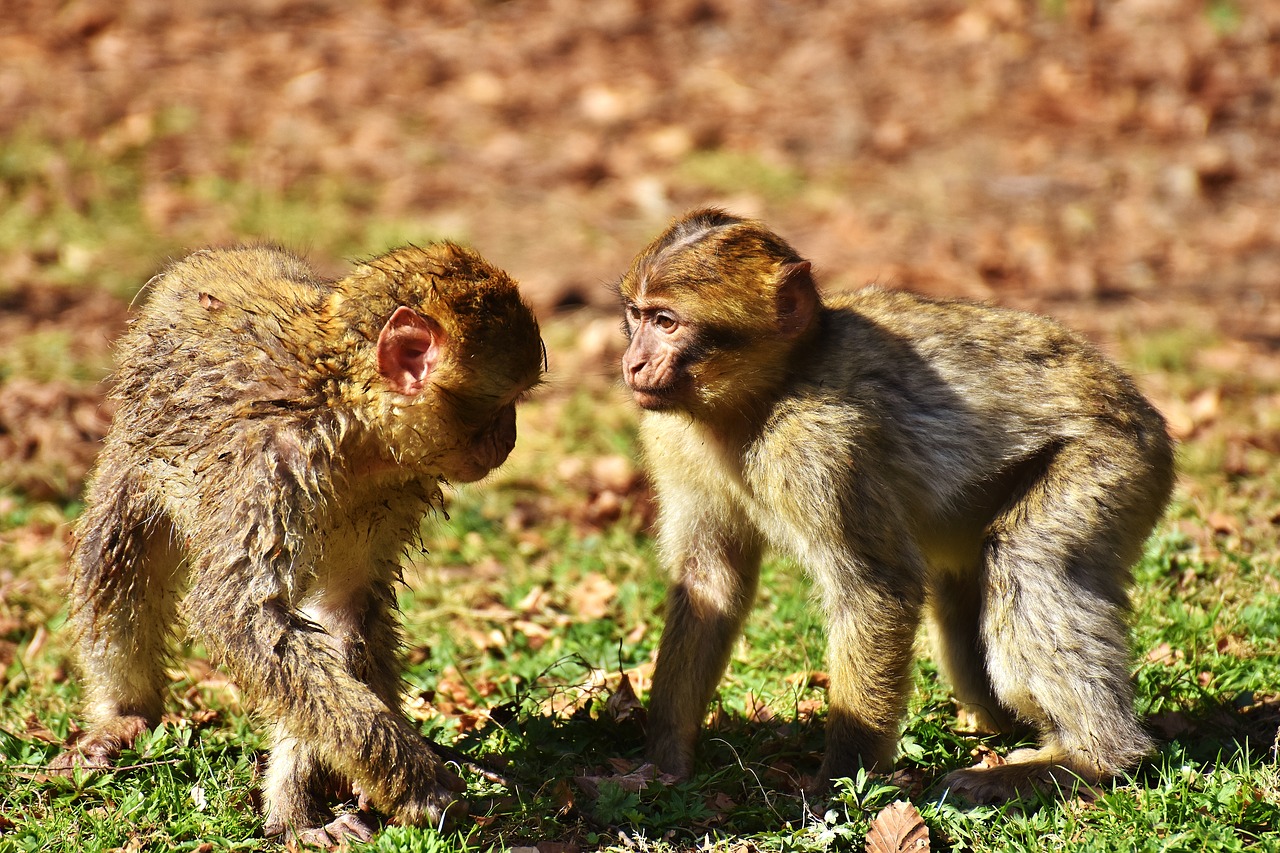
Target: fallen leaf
x=721 y=803
x=623 y=704
x=593 y=596
x=1171 y=724
x=1223 y=524
x=987 y=757
x=758 y=710
x=898 y=828
x=805 y=680
x=37 y=730
x=1165 y=654
x=562 y=796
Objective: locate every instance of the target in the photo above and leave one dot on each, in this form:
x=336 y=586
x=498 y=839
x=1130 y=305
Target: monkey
x=982 y=466
x=278 y=439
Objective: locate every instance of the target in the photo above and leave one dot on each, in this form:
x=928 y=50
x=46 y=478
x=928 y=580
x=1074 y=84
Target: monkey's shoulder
x=943 y=335
x=228 y=288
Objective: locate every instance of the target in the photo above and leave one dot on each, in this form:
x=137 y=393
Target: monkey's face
x=712 y=311
x=660 y=354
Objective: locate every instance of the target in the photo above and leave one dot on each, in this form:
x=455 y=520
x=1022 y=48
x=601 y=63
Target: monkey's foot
x=1026 y=773
x=332 y=836
x=99 y=749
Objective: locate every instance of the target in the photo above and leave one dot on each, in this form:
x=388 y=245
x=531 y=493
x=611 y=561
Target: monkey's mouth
x=655 y=398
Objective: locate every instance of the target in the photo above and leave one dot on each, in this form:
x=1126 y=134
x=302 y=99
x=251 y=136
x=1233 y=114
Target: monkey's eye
x=665 y=322
x=633 y=313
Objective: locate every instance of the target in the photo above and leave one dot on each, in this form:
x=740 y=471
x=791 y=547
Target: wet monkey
x=277 y=441
x=981 y=466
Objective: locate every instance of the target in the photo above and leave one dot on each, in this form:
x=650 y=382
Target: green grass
x=523 y=614
x=497 y=629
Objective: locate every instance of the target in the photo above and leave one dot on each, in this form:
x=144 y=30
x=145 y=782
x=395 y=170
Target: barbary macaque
x=983 y=465
x=278 y=439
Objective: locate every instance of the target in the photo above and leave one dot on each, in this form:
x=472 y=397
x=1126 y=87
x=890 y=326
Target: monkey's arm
x=252 y=554
x=714 y=557
x=822 y=473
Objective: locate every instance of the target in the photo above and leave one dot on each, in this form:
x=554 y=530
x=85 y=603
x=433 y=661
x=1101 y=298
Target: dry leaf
x=1165 y=654
x=1223 y=524
x=623 y=704
x=721 y=803
x=1171 y=724
x=898 y=829
x=632 y=782
x=987 y=757
x=805 y=680
x=562 y=796
x=593 y=596
x=36 y=730
x=757 y=709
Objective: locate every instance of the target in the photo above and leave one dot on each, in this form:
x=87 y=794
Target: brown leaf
x=621 y=765
x=562 y=796
x=557 y=847
x=1171 y=724
x=623 y=704
x=805 y=680
x=632 y=782
x=1223 y=524
x=898 y=829
x=721 y=803
x=758 y=710
x=987 y=757
x=37 y=730
x=593 y=596
x=1165 y=654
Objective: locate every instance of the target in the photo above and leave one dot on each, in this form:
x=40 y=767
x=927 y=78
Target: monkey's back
x=962 y=389
x=222 y=349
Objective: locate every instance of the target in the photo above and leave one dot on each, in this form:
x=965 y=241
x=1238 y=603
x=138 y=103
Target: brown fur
x=278 y=439
x=983 y=465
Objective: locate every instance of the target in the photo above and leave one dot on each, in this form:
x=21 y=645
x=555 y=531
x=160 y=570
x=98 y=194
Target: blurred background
x=1114 y=164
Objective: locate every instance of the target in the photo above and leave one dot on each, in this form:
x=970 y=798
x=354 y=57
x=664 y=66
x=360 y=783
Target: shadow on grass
x=589 y=770
x=1214 y=729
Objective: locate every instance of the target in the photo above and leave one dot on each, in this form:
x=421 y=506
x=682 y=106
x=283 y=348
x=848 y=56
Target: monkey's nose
x=631 y=367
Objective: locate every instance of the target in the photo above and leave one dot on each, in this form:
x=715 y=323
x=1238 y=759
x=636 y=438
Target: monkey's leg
x=706 y=607
x=362 y=630
x=123 y=607
x=870 y=634
x=291 y=673
x=1057 y=562
x=956 y=605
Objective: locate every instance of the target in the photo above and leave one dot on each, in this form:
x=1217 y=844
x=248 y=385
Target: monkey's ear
x=796 y=301
x=409 y=348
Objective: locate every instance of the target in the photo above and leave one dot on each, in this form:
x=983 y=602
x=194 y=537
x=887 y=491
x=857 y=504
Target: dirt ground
x=1115 y=164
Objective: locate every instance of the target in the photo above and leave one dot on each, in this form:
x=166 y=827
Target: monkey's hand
x=432 y=798
x=99 y=749
x=332 y=836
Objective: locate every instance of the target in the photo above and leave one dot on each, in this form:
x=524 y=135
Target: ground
x=1112 y=164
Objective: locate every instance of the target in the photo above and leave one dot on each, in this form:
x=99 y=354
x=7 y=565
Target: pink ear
x=409 y=348
x=797 y=300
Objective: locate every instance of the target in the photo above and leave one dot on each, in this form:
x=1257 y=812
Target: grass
x=519 y=633
x=528 y=610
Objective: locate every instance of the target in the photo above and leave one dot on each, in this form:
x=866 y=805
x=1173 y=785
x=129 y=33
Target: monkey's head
x=713 y=308
x=455 y=347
